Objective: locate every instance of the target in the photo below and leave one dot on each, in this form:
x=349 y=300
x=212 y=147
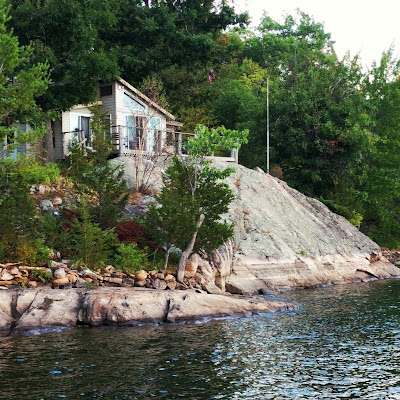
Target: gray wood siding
x=57 y=132
x=108 y=105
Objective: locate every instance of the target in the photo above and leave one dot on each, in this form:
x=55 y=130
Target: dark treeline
x=335 y=129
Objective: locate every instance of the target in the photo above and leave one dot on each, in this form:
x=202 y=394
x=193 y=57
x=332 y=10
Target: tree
x=67 y=35
x=194 y=198
x=91 y=245
x=20 y=86
x=189 y=210
x=20 y=240
x=96 y=178
x=377 y=182
x=317 y=112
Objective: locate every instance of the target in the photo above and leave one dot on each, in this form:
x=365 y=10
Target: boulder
x=140 y=283
x=5 y=275
x=56 y=265
x=195 y=305
x=141 y=275
x=46 y=205
x=159 y=284
x=50 y=308
x=61 y=281
x=57 y=201
x=115 y=280
x=169 y=278
x=59 y=273
x=72 y=277
x=171 y=285
x=211 y=288
x=14 y=271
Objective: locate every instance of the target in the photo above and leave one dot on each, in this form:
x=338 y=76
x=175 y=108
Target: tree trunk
x=180 y=272
x=166 y=257
x=48 y=143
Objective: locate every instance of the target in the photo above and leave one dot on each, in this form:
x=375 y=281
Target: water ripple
x=343 y=343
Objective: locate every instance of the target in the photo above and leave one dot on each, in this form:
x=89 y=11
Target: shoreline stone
x=40 y=309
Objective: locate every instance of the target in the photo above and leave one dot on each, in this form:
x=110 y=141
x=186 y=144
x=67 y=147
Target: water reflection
x=341 y=343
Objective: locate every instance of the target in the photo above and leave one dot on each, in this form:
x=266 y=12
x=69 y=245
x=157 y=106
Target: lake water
x=342 y=343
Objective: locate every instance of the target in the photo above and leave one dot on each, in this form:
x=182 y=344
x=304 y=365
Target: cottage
x=18 y=151
x=136 y=123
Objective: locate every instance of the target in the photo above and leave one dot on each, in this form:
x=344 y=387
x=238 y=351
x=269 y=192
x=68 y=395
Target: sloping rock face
x=45 y=309
x=285 y=240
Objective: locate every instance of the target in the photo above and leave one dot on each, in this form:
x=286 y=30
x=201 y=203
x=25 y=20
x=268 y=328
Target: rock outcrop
x=46 y=309
x=285 y=240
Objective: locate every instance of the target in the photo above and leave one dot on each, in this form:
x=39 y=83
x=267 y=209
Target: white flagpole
x=267 y=125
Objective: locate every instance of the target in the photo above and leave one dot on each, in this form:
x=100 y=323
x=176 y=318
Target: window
x=132 y=104
x=80 y=127
x=107 y=126
x=134 y=132
x=105 y=90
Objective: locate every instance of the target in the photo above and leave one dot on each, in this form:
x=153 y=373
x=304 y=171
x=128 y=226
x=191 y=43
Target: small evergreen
x=92 y=246
x=95 y=177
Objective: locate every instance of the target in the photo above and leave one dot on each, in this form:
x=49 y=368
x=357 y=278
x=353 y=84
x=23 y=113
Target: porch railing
x=75 y=138
x=174 y=143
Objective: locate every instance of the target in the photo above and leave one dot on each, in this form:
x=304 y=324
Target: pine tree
x=100 y=181
x=20 y=85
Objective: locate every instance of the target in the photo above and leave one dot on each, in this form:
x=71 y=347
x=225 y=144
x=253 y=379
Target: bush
x=96 y=178
x=92 y=246
x=42 y=275
x=20 y=239
x=57 y=232
x=130 y=258
x=133 y=232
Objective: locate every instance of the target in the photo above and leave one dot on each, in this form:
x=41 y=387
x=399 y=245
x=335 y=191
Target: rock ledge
x=43 y=309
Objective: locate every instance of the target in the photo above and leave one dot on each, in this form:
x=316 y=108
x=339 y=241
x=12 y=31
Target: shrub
x=130 y=258
x=133 y=232
x=19 y=222
x=97 y=179
x=42 y=275
x=57 y=232
x=91 y=245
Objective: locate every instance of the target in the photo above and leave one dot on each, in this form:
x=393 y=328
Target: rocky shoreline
x=42 y=310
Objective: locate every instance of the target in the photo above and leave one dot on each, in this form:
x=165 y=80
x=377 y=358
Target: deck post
x=179 y=143
x=235 y=155
x=120 y=141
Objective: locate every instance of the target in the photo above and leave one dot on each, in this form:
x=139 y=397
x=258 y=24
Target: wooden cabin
x=137 y=124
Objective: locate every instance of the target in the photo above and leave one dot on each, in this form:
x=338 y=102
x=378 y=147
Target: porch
x=128 y=143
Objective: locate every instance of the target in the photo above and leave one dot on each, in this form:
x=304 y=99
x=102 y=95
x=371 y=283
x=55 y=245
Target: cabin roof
x=146 y=99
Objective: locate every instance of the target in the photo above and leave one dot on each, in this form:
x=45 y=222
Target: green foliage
x=92 y=246
x=96 y=178
x=20 y=85
x=189 y=192
x=152 y=87
x=67 y=35
x=20 y=239
x=56 y=232
x=209 y=141
x=193 y=116
x=42 y=275
x=130 y=257
x=334 y=130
